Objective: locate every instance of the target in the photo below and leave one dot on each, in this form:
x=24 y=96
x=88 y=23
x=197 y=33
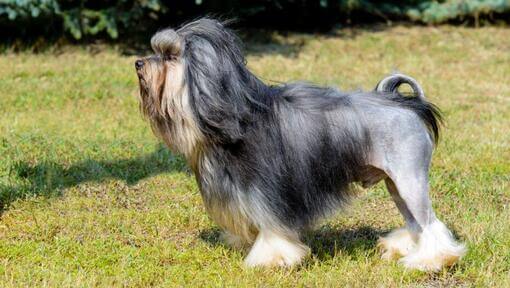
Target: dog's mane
x=225 y=96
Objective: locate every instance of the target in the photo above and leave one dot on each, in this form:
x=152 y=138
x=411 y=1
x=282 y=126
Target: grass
x=90 y=198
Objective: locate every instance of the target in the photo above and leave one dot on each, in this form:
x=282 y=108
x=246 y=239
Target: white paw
x=271 y=249
x=397 y=244
x=436 y=249
x=431 y=263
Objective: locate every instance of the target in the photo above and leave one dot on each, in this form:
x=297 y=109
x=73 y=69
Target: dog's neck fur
x=167 y=107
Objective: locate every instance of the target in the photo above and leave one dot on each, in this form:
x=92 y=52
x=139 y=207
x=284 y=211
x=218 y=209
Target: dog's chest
x=223 y=200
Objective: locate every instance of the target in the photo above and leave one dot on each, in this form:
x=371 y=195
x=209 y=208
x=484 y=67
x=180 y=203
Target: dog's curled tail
x=391 y=83
x=428 y=112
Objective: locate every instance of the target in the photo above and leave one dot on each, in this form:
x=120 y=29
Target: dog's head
x=197 y=81
x=164 y=95
x=161 y=76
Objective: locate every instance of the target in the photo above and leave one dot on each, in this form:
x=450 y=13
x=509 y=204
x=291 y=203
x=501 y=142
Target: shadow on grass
x=325 y=242
x=49 y=178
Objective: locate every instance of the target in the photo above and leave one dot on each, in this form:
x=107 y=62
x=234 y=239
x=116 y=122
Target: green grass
x=92 y=199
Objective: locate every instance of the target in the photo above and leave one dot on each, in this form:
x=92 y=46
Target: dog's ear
x=167 y=42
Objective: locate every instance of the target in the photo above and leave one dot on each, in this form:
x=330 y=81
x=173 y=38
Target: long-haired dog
x=272 y=160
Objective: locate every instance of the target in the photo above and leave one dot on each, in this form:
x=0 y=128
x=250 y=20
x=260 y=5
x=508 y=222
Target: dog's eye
x=168 y=57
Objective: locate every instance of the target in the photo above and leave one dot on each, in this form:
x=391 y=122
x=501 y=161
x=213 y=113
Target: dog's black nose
x=138 y=64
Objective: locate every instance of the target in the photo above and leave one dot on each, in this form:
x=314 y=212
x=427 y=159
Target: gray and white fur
x=271 y=161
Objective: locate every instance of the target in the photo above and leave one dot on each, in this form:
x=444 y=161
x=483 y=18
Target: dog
x=271 y=161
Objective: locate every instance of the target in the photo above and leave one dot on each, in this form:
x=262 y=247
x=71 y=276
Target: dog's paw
x=271 y=249
x=436 y=249
x=276 y=258
x=397 y=244
x=431 y=263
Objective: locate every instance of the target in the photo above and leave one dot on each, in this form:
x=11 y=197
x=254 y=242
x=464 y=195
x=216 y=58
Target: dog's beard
x=165 y=102
x=146 y=102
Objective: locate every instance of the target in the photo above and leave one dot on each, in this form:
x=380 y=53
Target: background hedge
x=111 y=19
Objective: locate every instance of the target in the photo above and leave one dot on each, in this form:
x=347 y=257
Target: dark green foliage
x=111 y=18
x=441 y=11
x=428 y=11
x=28 y=9
x=79 y=18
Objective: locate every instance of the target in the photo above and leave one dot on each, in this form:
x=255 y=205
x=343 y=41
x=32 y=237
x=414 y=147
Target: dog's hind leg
x=399 y=242
x=425 y=244
x=273 y=248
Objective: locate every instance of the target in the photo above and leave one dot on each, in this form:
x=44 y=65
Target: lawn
x=91 y=198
